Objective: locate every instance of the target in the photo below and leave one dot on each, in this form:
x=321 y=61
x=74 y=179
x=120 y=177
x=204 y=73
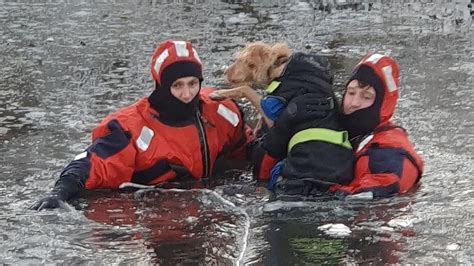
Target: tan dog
x=255 y=66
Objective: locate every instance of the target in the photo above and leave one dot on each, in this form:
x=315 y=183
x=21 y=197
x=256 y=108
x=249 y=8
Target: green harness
x=340 y=138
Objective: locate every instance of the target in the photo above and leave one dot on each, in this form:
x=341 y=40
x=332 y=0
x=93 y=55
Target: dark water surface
x=64 y=65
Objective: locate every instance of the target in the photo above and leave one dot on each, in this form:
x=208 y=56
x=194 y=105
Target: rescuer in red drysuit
x=177 y=133
x=385 y=161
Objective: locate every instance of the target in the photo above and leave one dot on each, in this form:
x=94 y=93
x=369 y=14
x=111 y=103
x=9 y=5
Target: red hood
x=387 y=70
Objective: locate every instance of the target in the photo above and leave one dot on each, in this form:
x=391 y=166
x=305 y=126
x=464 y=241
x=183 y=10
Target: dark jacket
x=311 y=164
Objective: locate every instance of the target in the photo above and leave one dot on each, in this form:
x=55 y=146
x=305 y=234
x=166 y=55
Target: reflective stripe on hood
x=388 y=71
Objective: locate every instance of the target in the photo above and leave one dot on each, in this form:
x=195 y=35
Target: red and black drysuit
x=158 y=138
x=385 y=161
x=132 y=145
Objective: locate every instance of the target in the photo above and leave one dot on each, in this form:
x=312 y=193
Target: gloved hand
x=49 y=202
x=305 y=108
x=66 y=187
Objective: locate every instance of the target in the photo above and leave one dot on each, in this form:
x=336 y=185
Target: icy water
x=64 y=65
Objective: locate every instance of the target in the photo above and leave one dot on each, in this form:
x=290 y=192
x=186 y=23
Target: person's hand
x=49 y=202
x=305 y=108
x=66 y=187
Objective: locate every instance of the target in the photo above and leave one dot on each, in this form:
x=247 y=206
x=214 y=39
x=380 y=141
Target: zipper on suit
x=203 y=142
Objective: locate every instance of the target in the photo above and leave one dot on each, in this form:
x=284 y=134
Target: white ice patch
x=191 y=219
x=80 y=156
x=144 y=139
x=284 y=205
x=452 y=247
x=81 y=14
x=241 y=18
x=400 y=223
x=386 y=228
x=230 y=116
x=35 y=115
x=361 y=196
x=301 y=6
x=337 y=230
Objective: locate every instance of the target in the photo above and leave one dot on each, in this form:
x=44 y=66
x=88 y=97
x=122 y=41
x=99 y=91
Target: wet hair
x=362 y=84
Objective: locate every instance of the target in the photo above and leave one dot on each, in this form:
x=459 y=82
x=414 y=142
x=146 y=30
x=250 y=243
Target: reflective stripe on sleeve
x=80 y=156
x=144 y=139
x=228 y=115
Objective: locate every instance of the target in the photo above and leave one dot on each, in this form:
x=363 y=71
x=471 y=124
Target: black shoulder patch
x=112 y=143
x=386 y=160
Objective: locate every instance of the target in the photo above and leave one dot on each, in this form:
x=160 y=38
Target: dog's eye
x=252 y=65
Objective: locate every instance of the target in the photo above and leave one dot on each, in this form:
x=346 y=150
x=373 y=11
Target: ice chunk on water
x=400 y=223
x=191 y=219
x=452 y=246
x=338 y=230
x=285 y=205
x=361 y=196
x=35 y=114
x=242 y=18
x=386 y=228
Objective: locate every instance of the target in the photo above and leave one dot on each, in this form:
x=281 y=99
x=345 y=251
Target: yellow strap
x=320 y=134
x=273 y=86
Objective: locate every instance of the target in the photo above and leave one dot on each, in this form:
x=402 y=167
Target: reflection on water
x=67 y=64
x=171 y=225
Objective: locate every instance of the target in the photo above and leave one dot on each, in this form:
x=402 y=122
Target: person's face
x=185 y=89
x=357 y=97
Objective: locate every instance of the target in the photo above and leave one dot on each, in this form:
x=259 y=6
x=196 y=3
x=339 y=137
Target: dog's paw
x=217 y=96
x=228 y=93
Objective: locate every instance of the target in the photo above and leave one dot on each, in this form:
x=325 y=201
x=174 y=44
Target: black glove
x=49 y=202
x=65 y=188
x=304 y=108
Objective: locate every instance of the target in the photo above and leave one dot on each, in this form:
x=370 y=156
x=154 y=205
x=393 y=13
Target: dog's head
x=258 y=63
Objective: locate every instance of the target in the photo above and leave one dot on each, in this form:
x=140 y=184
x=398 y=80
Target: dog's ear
x=280 y=55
